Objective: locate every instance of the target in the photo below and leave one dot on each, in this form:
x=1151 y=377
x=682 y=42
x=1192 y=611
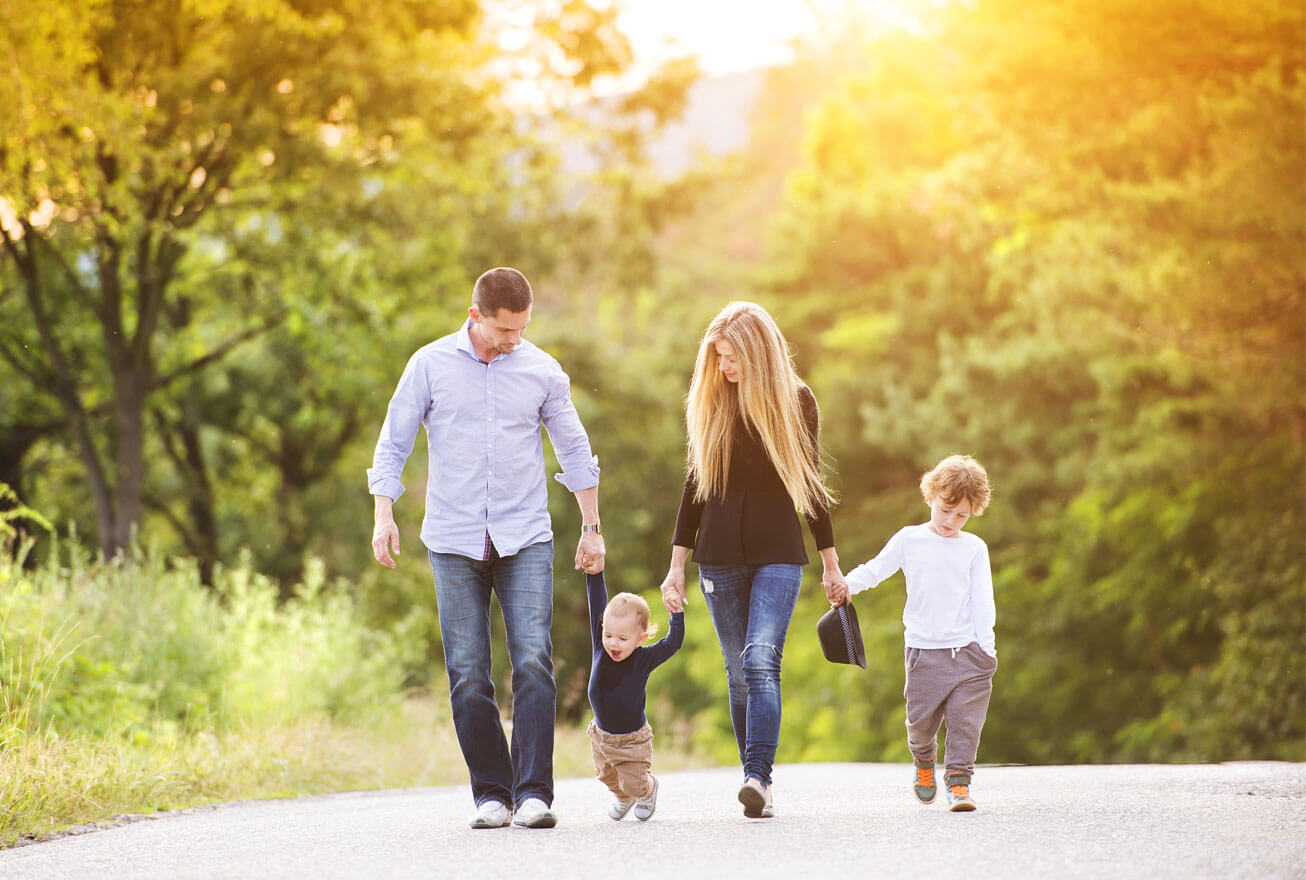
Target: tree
x=1067 y=238
x=153 y=145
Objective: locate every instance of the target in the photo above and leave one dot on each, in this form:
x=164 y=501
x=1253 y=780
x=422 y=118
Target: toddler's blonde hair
x=628 y=603
x=955 y=478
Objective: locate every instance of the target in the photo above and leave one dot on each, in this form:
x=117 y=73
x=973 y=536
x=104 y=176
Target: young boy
x=948 y=621
x=620 y=736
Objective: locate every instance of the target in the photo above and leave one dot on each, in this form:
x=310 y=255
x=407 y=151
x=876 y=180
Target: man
x=482 y=394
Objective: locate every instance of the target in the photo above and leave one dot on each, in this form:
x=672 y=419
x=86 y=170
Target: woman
x=754 y=465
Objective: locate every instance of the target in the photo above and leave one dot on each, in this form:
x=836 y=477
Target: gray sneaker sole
x=755 y=806
x=544 y=820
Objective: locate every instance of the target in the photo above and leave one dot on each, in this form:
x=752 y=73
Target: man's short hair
x=502 y=288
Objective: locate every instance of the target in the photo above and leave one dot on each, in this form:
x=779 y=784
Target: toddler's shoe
x=645 y=806
x=959 y=793
x=619 y=808
x=925 y=787
x=756 y=799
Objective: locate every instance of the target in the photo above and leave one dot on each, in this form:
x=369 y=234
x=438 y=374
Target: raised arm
x=662 y=650
x=597 y=590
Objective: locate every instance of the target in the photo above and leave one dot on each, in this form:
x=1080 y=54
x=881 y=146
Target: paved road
x=837 y=820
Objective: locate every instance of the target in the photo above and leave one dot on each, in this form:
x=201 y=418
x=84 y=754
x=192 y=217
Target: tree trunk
x=129 y=428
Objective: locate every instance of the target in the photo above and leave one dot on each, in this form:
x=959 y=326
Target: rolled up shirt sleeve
x=580 y=467
x=408 y=407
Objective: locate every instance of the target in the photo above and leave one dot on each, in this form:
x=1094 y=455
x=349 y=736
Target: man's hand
x=385 y=534
x=590 y=553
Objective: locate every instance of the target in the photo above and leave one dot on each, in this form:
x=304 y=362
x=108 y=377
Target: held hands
x=836 y=588
x=673 y=591
x=590 y=553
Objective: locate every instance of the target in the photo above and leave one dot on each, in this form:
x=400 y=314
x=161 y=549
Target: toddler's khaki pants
x=622 y=761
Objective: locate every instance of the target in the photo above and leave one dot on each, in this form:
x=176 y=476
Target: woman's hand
x=673 y=590
x=836 y=588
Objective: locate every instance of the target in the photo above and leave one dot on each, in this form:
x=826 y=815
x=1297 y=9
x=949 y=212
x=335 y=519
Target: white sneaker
x=491 y=814
x=618 y=809
x=645 y=806
x=535 y=813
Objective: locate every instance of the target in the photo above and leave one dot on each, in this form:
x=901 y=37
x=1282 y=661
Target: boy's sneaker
x=756 y=799
x=491 y=814
x=535 y=813
x=925 y=786
x=618 y=809
x=959 y=794
x=645 y=806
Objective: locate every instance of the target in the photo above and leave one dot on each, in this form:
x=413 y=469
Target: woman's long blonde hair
x=766 y=396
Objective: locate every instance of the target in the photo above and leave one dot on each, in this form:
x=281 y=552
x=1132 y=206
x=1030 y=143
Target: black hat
x=841 y=636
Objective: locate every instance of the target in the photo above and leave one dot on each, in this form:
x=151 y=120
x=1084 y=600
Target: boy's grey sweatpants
x=952 y=685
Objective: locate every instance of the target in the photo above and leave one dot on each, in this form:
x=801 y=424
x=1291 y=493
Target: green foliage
x=1099 y=292
x=138 y=646
x=13 y=513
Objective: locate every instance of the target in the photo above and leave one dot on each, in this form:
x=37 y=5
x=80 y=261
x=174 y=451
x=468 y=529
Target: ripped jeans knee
x=761 y=664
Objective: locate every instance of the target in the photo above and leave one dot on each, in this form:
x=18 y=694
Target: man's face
x=503 y=330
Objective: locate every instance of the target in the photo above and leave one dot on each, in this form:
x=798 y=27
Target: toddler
x=620 y=736
x=948 y=625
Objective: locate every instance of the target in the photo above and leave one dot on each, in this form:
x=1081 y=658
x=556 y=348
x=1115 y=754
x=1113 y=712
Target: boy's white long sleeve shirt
x=949 y=587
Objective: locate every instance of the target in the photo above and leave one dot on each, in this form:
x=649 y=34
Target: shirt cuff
x=579 y=480
x=390 y=487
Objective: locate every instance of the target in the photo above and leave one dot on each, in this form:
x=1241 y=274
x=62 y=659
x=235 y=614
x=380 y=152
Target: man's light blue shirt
x=485 y=452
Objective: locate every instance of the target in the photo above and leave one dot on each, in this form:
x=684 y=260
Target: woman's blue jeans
x=750 y=607
x=523 y=584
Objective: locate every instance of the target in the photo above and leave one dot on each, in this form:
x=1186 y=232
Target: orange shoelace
x=925 y=776
x=959 y=791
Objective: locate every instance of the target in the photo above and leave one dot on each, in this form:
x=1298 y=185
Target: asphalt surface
x=833 y=820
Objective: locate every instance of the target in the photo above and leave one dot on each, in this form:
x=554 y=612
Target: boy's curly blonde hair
x=955 y=478
x=623 y=604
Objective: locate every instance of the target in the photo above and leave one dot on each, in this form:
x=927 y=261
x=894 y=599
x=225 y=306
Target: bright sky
x=734 y=35
x=727 y=35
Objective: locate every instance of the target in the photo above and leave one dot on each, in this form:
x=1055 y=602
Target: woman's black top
x=755 y=522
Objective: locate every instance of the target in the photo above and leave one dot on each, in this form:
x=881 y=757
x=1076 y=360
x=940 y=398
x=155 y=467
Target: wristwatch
x=596 y=528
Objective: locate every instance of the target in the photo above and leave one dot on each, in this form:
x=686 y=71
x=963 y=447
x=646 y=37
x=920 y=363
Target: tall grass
x=129 y=686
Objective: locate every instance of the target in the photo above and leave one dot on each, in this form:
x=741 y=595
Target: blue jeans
x=523 y=584
x=750 y=607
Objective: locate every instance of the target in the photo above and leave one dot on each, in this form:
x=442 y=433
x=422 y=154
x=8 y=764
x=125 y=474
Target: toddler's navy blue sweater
x=617 y=690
